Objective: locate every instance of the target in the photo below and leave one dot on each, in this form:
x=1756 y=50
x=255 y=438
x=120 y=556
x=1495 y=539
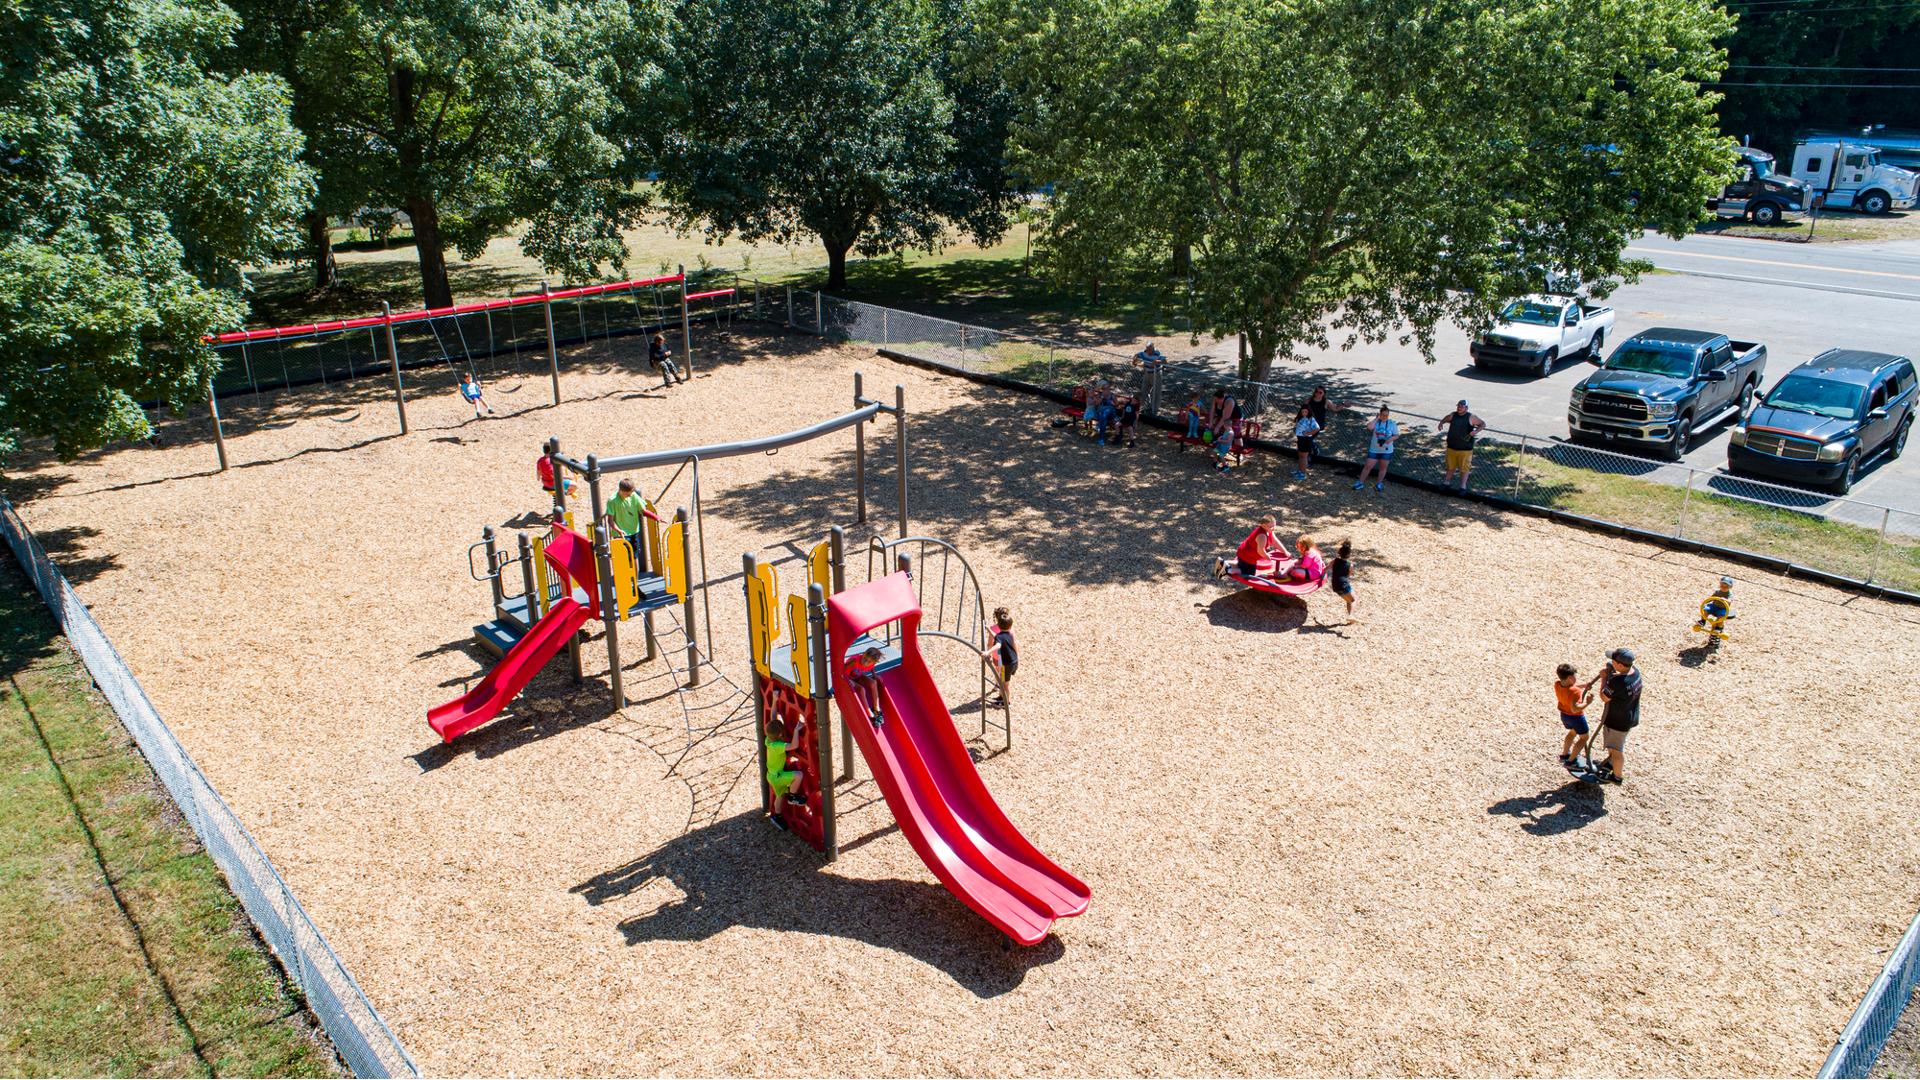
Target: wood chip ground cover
x=1312 y=847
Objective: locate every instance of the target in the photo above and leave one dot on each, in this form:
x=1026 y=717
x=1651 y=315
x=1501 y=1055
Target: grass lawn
x=1835 y=226
x=121 y=950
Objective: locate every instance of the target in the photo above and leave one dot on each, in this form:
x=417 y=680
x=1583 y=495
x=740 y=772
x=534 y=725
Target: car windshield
x=1762 y=167
x=1822 y=397
x=1673 y=363
x=1526 y=311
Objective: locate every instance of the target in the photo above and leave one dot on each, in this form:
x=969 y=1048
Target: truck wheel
x=1876 y=202
x=1676 y=447
x=1900 y=440
x=1766 y=214
x=1848 y=474
x=1547 y=360
x=1746 y=397
x=1595 y=346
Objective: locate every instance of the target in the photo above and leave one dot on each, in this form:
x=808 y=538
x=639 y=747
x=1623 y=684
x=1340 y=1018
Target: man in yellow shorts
x=1461 y=426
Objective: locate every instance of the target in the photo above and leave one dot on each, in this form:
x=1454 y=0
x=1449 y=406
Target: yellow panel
x=802 y=645
x=543 y=583
x=626 y=589
x=820 y=566
x=770 y=580
x=654 y=551
x=759 y=635
x=676 y=557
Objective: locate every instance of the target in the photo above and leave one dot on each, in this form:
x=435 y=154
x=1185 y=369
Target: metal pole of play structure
x=900 y=450
x=559 y=477
x=219 y=436
x=837 y=555
x=493 y=565
x=609 y=597
x=686 y=605
x=526 y=578
x=686 y=324
x=859 y=454
x=393 y=356
x=553 y=347
x=751 y=566
x=822 y=693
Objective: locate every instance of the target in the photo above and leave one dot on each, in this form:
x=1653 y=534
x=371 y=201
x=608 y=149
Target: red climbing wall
x=803 y=756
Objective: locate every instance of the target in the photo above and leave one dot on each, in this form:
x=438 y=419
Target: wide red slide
x=929 y=780
x=512 y=673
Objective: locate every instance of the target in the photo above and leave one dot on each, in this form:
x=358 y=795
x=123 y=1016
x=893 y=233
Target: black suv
x=1827 y=418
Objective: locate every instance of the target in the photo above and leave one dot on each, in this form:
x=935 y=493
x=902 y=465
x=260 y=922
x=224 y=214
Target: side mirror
x=1878 y=414
x=1716 y=375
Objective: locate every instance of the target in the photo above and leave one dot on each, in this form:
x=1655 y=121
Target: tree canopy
x=1814 y=65
x=1355 y=169
x=473 y=117
x=135 y=183
x=857 y=121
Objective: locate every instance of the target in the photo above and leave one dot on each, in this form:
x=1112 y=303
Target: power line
x=1819 y=86
x=1818 y=67
x=1827 y=11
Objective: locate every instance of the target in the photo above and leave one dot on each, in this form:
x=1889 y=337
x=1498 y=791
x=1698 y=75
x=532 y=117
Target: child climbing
x=1002 y=653
x=661 y=358
x=470 y=389
x=1341 y=573
x=780 y=779
x=861 y=672
x=1715 y=610
x=1571 y=699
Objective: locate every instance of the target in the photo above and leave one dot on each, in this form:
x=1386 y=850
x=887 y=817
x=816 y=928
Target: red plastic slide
x=512 y=673
x=929 y=781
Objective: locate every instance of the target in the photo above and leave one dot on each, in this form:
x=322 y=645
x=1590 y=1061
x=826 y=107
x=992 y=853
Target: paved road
x=1796 y=299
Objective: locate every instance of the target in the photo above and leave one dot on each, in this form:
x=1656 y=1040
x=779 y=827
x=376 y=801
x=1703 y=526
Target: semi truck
x=1761 y=193
x=1850 y=174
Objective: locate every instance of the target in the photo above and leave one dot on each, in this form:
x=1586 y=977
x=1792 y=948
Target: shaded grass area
x=121 y=950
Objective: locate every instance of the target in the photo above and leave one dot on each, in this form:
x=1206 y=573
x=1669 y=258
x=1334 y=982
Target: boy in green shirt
x=780 y=779
x=623 y=517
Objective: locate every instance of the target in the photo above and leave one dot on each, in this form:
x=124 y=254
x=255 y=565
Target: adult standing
x=1460 y=426
x=1320 y=406
x=1620 y=687
x=1380 y=436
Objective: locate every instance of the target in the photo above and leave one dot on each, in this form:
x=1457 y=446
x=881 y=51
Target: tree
x=135 y=184
x=1363 y=168
x=472 y=117
x=1797 y=66
x=835 y=118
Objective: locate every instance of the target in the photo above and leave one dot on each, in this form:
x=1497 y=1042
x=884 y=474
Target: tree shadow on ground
x=27 y=630
x=65 y=546
x=1563 y=809
x=740 y=871
x=1064 y=506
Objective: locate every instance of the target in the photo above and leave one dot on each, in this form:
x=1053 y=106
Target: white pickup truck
x=1536 y=332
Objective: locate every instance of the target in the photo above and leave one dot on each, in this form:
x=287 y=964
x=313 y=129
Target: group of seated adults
x=1105 y=409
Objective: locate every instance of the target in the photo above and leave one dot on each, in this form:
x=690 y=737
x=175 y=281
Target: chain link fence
x=1844 y=539
x=361 y=1037
x=1865 y=1035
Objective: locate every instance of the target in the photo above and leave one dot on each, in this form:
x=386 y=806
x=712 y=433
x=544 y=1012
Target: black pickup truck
x=1663 y=385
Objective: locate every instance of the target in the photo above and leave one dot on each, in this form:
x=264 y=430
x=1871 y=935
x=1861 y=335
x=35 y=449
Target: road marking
x=1774 y=262
x=1790 y=283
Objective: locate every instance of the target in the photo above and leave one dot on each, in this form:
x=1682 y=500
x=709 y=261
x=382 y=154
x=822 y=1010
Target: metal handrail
x=977 y=641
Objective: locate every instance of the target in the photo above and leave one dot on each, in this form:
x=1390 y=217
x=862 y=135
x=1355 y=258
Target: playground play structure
x=919 y=761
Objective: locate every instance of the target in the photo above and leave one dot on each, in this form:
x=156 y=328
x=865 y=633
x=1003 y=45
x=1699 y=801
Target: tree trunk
x=425 y=217
x=1257 y=362
x=1093 y=290
x=1182 y=260
x=836 y=262
x=320 y=250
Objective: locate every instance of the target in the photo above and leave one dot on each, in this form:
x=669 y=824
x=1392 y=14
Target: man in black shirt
x=1620 y=686
x=1461 y=426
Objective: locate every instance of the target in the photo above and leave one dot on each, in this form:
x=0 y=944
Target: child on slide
x=862 y=673
x=780 y=779
x=1257 y=554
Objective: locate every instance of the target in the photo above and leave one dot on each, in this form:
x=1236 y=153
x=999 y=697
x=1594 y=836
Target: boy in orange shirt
x=1571 y=699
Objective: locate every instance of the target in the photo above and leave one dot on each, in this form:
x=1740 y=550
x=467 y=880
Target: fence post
x=884 y=340
x=1520 y=462
x=553 y=347
x=963 y=347
x=756 y=299
x=1049 y=382
x=819 y=314
x=1686 y=498
x=1873 y=568
x=1153 y=389
x=686 y=324
x=219 y=436
x=789 y=307
x=393 y=354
